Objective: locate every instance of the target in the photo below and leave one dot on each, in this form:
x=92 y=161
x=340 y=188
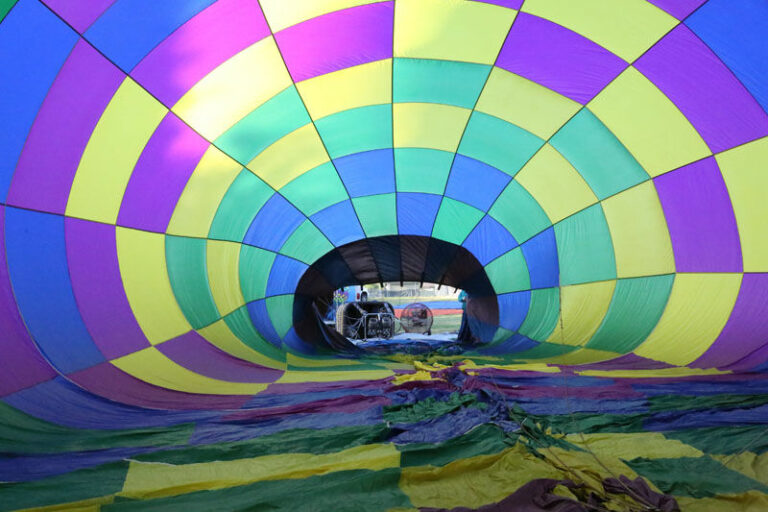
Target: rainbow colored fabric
x=180 y=180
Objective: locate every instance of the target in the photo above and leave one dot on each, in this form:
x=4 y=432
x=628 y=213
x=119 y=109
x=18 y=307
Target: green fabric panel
x=438 y=81
x=24 y=434
x=635 y=309
x=661 y=403
x=280 y=309
x=724 y=440
x=271 y=121
x=545 y=350
x=501 y=335
x=422 y=170
x=455 y=220
x=429 y=408
x=240 y=204
x=698 y=477
x=518 y=211
x=239 y=322
x=483 y=440
x=316 y=189
x=509 y=272
x=585 y=248
x=591 y=423
x=594 y=151
x=75 y=486
x=306 y=244
x=341 y=491
x=316 y=441
x=357 y=130
x=255 y=265
x=188 y=273
x=498 y=143
x=543 y=314
x=377 y=214
x=5 y=7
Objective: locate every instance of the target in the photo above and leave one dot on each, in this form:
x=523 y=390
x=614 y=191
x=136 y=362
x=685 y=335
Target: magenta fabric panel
x=79 y=13
x=700 y=218
x=337 y=40
x=704 y=90
x=558 y=58
x=23 y=365
x=110 y=382
x=95 y=273
x=199 y=46
x=162 y=171
x=680 y=9
x=747 y=328
x=195 y=353
x=62 y=129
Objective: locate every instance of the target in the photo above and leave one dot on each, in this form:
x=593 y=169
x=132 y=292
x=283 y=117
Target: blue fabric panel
x=542 y=405
x=295 y=343
x=541 y=257
x=37 y=261
x=515 y=343
x=466 y=176
x=738 y=33
x=284 y=276
x=712 y=387
x=339 y=223
x=368 y=173
x=35 y=44
x=274 y=224
x=130 y=29
x=260 y=319
x=489 y=240
x=264 y=400
x=673 y=420
x=416 y=213
x=513 y=308
x=49 y=400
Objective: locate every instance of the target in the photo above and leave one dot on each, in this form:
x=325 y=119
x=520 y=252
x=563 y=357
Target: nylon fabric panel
x=509 y=273
x=519 y=212
x=455 y=220
x=186 y=260
x=239 y=206
x=436 y=81
x=222 y=264
x=377 y=214
x=428 y=125
x=316 y=189
x=543 y=314
x=583 y=308
x=413 y=165
x=585 y=249
x=356 y=130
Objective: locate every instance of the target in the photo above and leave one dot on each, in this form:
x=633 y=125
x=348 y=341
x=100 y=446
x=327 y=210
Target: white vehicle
x=356 y=293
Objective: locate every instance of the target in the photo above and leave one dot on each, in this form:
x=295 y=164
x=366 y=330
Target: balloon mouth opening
x=391 y=259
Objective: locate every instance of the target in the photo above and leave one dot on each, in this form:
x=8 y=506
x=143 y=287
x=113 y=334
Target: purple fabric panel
x=558 y=58
x=110 y=382
x=21 y=365
x=63 y=126
x=193 y=352
x=337 y=40
x=746 y=330
x=512 y=4
x=98 y=288
x=160 y=175
x=700 y=218
x=199 y=46
x=680 y=9
x=757 y=358
x=345 y=404
x=704 y=89
x=627 y=361
x=80 y=14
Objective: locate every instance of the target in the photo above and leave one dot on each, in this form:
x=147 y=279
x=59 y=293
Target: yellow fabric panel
x=281 y=14
x=583 y=356
x=639 y=232
x=290 y=157
x=90 y=505
x=145 y=279
x=555 y=184
x=474 y=481
x=234 y=89
x=745 y=170
x=651 y=127
x=525 y=103
x=696 y=312
x=652 y=445
x=201 y=196
x=429 y=125
x=625 y=27
x=582 y=309
x=747 y=463
x=584 y=468
x=151 y=480
x=223 y=264
x=152 y=366
x=450 y=30
x=358 y=86
x=123 y=130
x=296 y=376
x=662 y=373
x=320 y=362
x=220 y=335
x=524 y=367
x=752 y=501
